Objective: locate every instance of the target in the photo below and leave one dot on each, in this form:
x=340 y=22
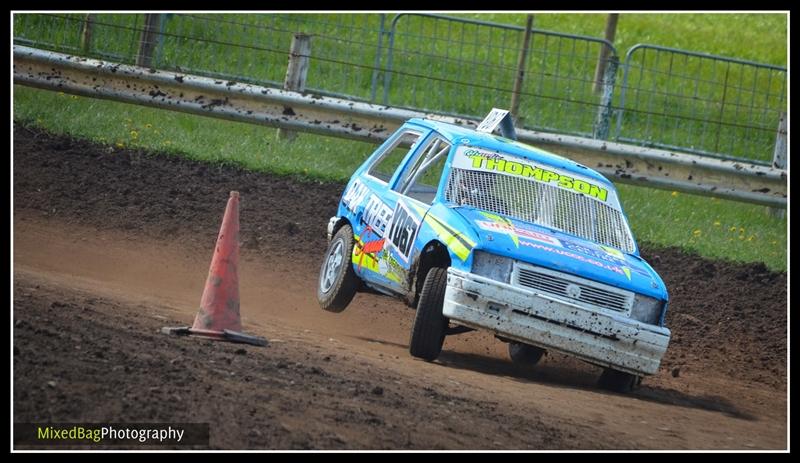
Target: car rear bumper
x=526 y=316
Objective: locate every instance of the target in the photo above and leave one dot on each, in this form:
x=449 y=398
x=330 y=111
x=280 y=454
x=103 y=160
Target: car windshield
x=519 y=188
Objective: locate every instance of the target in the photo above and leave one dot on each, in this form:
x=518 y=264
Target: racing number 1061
x=404 y=228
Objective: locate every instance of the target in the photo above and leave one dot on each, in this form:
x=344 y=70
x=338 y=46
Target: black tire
x=617 y=381
x=524 y=354
x=427 y=334
x=336 y=286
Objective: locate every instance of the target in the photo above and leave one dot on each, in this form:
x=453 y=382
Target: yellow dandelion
x=674 y=193
x=750 y=238
x=134 y=134
x=716 y=223
x=61 y=94
x=741 y=230
x=120 y=145
x=697 y=233
x=148 y=126
x=74 y=97
x=733 y=229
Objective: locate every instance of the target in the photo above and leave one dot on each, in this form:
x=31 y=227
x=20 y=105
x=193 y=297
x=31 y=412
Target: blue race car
x=478 y=231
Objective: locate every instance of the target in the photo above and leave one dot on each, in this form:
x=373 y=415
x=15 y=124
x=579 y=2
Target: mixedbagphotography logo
x=126 y=434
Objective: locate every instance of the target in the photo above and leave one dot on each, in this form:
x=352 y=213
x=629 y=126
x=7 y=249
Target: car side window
x=387 y=163
x=421 y=179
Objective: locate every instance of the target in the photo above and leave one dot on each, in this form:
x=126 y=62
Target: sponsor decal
x=354 y=195
x=373 y=255
x=613 y=252
x=368 y=249
x=390 y=268
x=377 y=215
x=456 y=241
x=504 y=225
x=594 y=252
x=403 y=230
x=515 y=166
x=605 y=253
x=613 y=268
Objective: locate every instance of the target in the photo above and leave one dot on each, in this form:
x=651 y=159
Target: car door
x=409 y=194
x=373 y=202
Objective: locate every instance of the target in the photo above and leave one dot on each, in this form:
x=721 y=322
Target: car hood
x=553 y=249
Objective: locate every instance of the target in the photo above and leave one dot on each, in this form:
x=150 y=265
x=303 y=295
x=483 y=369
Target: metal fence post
x=296 y=73
x=387 y=73
x=148 y=40
x=779 y=157
x=603 y=121
x=520 y=75
x=162 y=26
x=86 y=33
x=374 y=85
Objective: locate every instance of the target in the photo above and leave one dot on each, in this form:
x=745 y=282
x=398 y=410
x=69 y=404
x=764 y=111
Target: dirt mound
x=167 y=196
x=726 y=316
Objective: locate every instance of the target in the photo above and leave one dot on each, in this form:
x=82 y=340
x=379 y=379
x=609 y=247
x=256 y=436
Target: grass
x=752 y=36
x=711 y=227
x=466 y=69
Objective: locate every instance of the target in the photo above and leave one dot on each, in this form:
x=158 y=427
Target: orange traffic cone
x=218 y=317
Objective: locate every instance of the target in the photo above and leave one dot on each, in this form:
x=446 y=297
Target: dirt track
x=110 y=245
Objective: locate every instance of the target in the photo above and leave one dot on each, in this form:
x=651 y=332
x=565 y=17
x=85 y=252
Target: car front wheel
x=427 y=334
x=338 y=281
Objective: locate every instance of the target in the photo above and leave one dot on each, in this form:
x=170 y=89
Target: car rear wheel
x=617 y=381
x=524 y=354
x=338 y=281
x=428 y=332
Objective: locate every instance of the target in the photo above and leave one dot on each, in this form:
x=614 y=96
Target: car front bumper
x=331 y=223
x=526 y=316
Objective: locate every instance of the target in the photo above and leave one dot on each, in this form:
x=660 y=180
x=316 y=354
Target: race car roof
x=459 y=135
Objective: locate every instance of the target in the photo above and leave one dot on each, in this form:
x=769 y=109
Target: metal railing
x=700 y=103
x=235 y=47
x=351 y=119
x=471 y=65
x=673 y=99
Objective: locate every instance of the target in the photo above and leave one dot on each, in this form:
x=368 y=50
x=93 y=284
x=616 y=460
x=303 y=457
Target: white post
x=779 y=158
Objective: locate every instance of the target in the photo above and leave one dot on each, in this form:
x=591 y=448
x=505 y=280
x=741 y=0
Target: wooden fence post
x=86 y=33
x=604 y=112
x=602 y=60
x=148 y=40
x=520 y=77
x=296 y=74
